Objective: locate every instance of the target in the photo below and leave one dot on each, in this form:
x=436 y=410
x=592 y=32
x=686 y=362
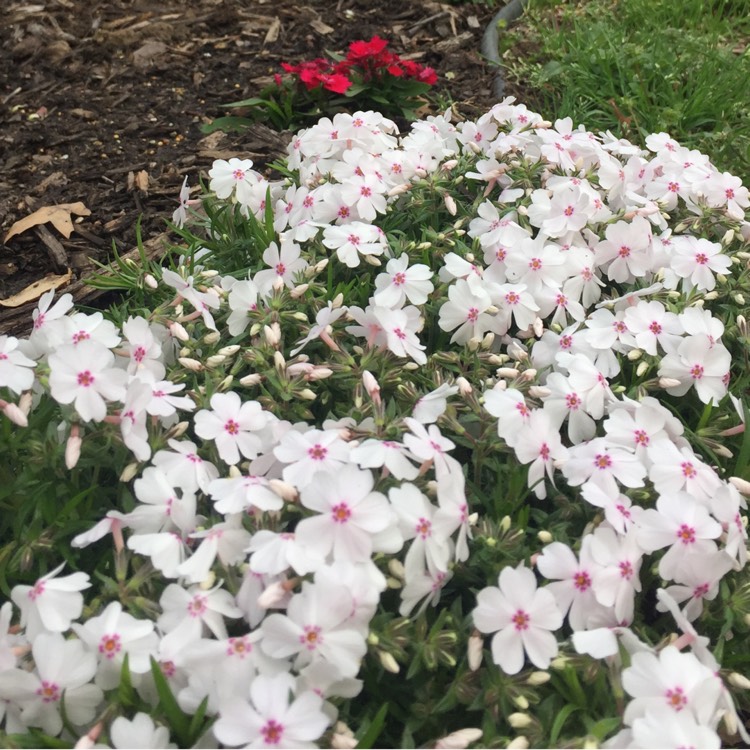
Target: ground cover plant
x=437 y=439
x=636 y=67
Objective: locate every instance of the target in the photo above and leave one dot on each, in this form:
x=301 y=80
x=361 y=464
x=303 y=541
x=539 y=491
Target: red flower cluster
x=366 y=61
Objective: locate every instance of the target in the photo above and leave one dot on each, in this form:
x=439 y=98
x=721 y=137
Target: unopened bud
x=505 y=525
x=255 y=329
x=251 y=380
x=538 y=678
x=507 y=372
x=411 y=366
x=150 y=281
x=642 y=369
x=741 y=484
x=215 y=360
x=459 y=740
x=739 y=681
x=343 y=738
x=544 y=537
x=538 y=327
x=273 y=595
x=337 y=301
x=208 y=582
x=319 y=373
x=450 y=205
x=284 y=490
x=396 y=568
x=668 y=383
x=229 y=351
x=519 y=720
x=129 y=472
x=739 y=298
x=488 y=341
x=298 y=291
x=741 y=326
x=307 y=394
x=388 y=662
x=177 y=331
x=73 y=449
x=178 y=430
x=16 y=415
x=25 y=402
x=528 y=375
x=635 y=354
x=475 y=651
x=371 y=386
x=278 y=361
x=190 y=364
x=372 y=260
x=212 y=337
x=464 y=386
x=539 y=391
x=519 y=743
x=521 y=701
x=272 y=334
x=710 y=296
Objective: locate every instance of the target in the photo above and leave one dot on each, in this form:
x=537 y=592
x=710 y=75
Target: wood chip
x=273 y=32
x=472 y=22
x=146 y=55
x=322 y=28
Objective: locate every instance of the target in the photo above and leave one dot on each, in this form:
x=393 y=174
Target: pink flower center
x=569 y=210
x=696 y=372
x=36 y=591
x=317 y=452
x=566 y=341
x=624 y=251
x=701 y=259
x=473 y=314
x=399 y=333
x=686 y=534
x=197 y=606
x=232 y=427
x=641 y=437
x=700 y=591
x=655 y=328
x=85 y=378
x=109 y=645
x=673 y=187
x=399 y=279
x=544 y=452
x=729 y=193
x=582 y=580
x=602 y=461
x=676 y=698
x=535 y=264
x=238 y=174
x=272 y=732
x=423 y=528
x=168 y=668
x=520 y=620
x=512 y=298
x=311 y=638
x=523 y=410
x=365 y=191
x=626 y=569
x=619 y=326
x=280 y=269
x=49 y=692
x=240 y=647
x=353 y=239
x=572 y=401
x=341 y=513
x=688 y=470
x=80 y=336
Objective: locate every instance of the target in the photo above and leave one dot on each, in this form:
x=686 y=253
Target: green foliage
x=636 y=67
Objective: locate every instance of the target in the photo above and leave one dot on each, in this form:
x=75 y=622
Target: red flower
x=361 y=50
x=335 y=82
x=428 y=76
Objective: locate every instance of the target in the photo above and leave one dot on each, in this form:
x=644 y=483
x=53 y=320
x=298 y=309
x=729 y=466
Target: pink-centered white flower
x=352 y=521
x=317 y=627
x=84 y=376
x=309 y=453
x=52 y=603
x=232 y=425
x=403 y=282
x=522 y=617
x=16 y=369
x=272 y=718
x=538 y=443
x=700 y=363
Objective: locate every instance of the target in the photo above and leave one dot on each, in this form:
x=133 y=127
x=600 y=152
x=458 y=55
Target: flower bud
x=539 y=391
x=150 y=281
x=272 y=334
x=25 y=402
x=177 y=331
x=519 y=743
x=388 y=662
x=73 y=449
x=475 y=651
x=284 y=490
x=488 y=341
x=319 y=373
x=129 y=472
x=337 y=301
x=507 y=372
x=544 y=537
x=343 y=738
x=371 y=386
x=642 y=369
x=229 y=351
x=634 y=354
x=742 y=485
x=211 y=338
x=215 y=360
x=739 y=681
x=278 y=361
x=411 y=366
x=307 y=394
x=191 y=364
x=396 y=568
x=519 y=720
x=538 y=327
x=273 y=595
x=459 y=740
x=208 y=582
x=739 y=298
x=255 y=329
x=16 y=415
x=251 y=380
x=505 y=525
x=521 y=701
x=538 y=678
x=450 y=205
x=177 y=431
x=464 y=386
x=528 y=375
x=668 y=383
x=298 y=291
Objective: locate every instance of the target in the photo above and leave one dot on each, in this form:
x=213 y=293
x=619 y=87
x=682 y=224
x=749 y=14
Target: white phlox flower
x=139 y=733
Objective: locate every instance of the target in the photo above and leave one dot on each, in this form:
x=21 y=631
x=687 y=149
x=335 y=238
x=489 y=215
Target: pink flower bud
x=284 y=490
x=15 y=414
x=450 y=205
x=371 y=386
x=73 y=447
x=475 y=651
x=190 y=364
x=178 y=331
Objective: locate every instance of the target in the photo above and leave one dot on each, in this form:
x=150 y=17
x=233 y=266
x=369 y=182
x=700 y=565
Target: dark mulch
x=102 y=101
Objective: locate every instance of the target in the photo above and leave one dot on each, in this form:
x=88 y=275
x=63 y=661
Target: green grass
x=640 y=66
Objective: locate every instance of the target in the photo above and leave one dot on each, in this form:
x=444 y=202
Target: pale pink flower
x=271 y=720
x=465 y=313
x=626 y=251
x=113 y=634
x=140 y=732
x=227 y=541
x=538 y=443
x=235 y=175
x=309 y=453
x=428 y=444
x=285 y=265
x=238 y=494
x=700 y=363
x=84 y=327
x=16 y=370
x=352 y=521
x=233 y=426
x=681 y=523
x=604 y=465
x=394 y=457
x=84 y=376
x=664 y=728
x=323 y=319
x=651 y=324
x=697 y=260
x=352 y=240
x=317 y=627
x=52 y=603
x=243 y=300
x=184 y=467
x=522 y=618
x=403 y=282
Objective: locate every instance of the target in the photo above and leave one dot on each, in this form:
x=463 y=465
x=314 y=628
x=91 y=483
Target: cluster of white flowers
x=535 y=297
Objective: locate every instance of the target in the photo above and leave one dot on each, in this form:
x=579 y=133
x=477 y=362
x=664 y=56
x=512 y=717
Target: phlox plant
x=438 y=440
x=369 y=76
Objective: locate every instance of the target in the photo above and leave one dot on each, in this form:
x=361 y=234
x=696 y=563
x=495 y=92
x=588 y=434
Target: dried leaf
x=273 y=32
x=141 y=181
x=146 y=56
x=320 y=27
x=58 y=216
x=37 y=289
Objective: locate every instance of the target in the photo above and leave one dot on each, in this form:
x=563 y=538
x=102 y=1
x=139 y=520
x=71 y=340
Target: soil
x=102 y=101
